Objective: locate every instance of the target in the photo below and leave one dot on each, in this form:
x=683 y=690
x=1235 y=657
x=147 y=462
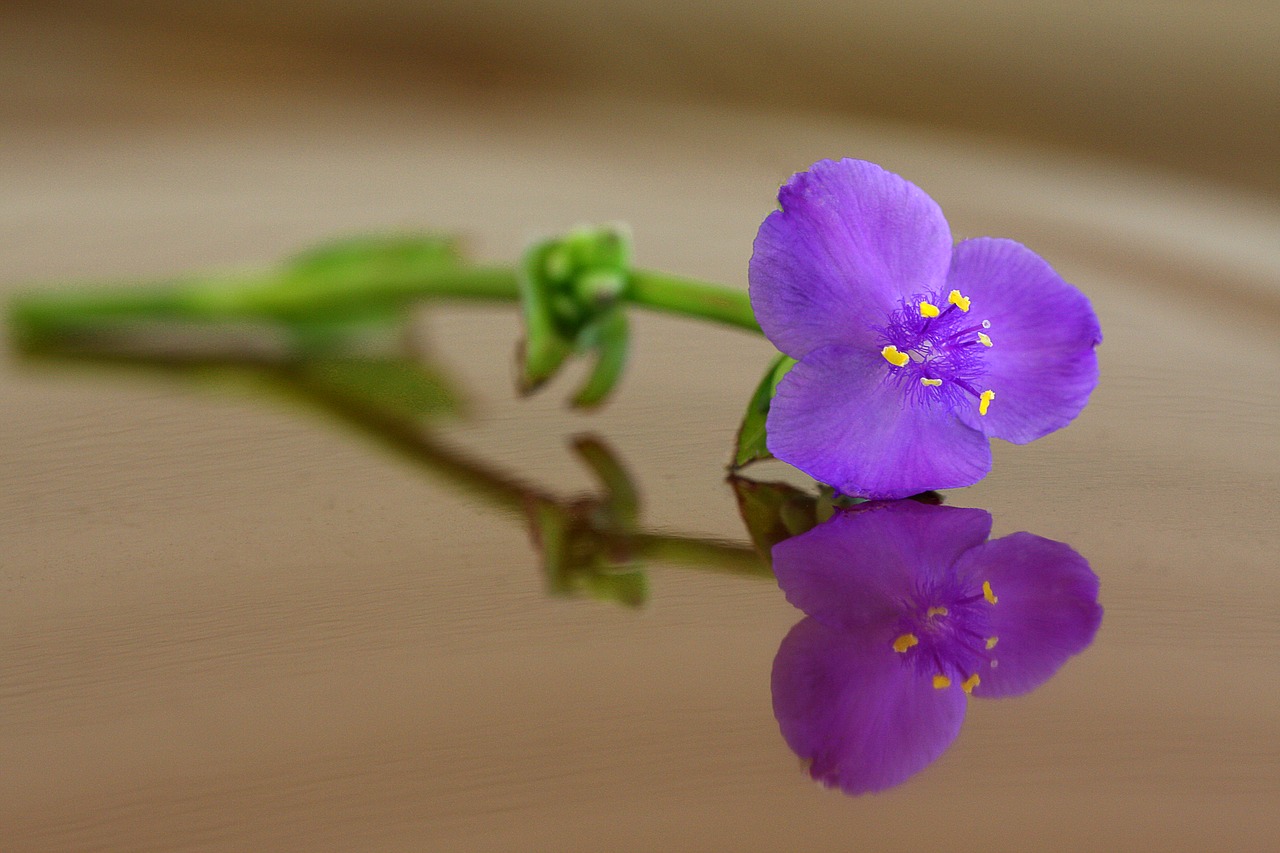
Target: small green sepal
x=751 y=445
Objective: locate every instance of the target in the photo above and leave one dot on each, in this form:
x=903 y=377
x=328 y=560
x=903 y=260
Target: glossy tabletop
x=234 y=619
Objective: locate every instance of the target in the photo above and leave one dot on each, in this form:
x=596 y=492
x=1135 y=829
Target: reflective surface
x=232 y=622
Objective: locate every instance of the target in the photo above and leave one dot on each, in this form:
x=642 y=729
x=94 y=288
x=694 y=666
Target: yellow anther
x=989 y=596
x=905 y=642
x=961 y=302
x=984 y=339
x=991 y=642
x=891 y=355
x=932 y=383
x=928 y=309
x=935 y=611
x=969 y=683
x=940 y=681
x=984 y=401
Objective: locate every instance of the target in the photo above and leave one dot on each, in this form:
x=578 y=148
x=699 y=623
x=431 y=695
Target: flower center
x=944 y=633
x=936 y=353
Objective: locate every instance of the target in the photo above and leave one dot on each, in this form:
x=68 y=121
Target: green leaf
x=374 y=256
x=773 y=512
x=751 y=435
x=630 y=589
x=621 y=499
x=404 y=389
x=581 y=555
x=545 y=345
x=357 y=279
x=612 y=348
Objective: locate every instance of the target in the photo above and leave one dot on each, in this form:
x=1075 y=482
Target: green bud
x=600 y=288
x=571 y=289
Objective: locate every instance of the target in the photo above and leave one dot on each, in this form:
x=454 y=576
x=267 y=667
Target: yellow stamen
x=891 y=355
x=905 y=642
x=935 y=611
x=984 y=401
x=961 y=302
x=932 y=383
x=984 y=338
x=928 y=309
x=941 y=681
x=969 y=683
x=989 y=596
x=991 y=642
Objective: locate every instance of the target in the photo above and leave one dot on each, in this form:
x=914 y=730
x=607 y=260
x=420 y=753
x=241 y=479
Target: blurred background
x=1184 y=85
x=229 y=624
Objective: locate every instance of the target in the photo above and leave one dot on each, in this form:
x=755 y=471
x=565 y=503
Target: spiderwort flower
x=909 y=611
x=912 y=352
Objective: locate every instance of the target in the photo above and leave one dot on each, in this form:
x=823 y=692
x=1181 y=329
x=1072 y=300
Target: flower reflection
x=909 y=610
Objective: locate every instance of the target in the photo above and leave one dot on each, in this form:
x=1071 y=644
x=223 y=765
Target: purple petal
x=1046 y=609
x=837 y=418
x=1042 y=365
x=853 y=571
x=850 y=242
x=862 y=719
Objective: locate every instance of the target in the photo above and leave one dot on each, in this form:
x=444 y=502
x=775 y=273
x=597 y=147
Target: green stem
x=241 y=298
x=451 y=282
x=692 y=298
x=727 y=557
x=272 y=297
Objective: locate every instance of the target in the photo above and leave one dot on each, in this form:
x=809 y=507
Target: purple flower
x=912 y=352
x=909 y=611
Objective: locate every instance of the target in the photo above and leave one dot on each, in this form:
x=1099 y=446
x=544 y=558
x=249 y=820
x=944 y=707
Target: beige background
x=1189 y=85
x=228 y=624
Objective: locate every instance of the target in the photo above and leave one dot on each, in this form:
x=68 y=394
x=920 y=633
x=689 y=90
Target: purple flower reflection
x=912 y=352
x=909 y=610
